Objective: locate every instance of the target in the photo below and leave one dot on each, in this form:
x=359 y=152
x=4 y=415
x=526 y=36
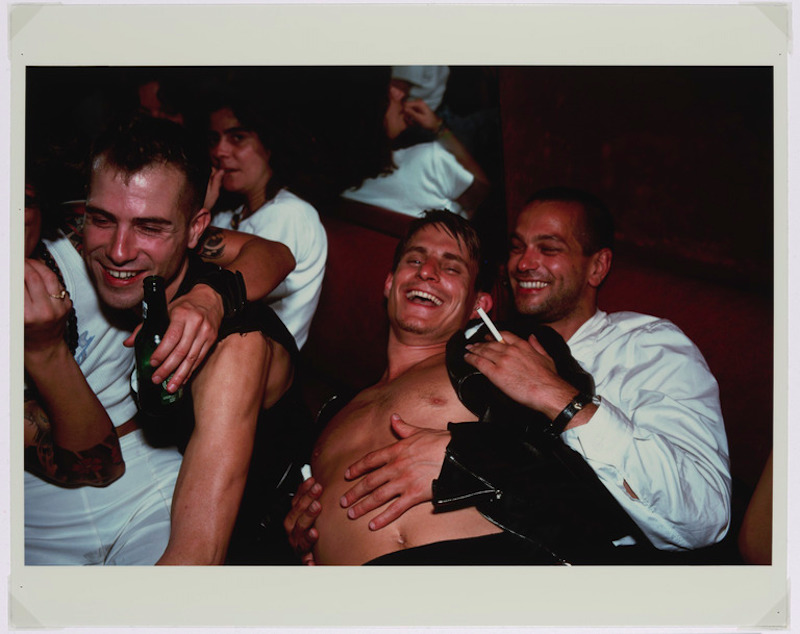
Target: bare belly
x=344 y=541
x=364 y=427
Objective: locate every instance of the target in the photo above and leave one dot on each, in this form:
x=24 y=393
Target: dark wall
x=682 y=155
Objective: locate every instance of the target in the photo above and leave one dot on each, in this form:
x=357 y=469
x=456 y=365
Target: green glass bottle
x=153 y=398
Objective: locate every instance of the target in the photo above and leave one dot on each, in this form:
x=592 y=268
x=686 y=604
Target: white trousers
x=125 y=523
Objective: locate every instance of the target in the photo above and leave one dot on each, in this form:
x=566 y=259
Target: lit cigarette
x=490 y=325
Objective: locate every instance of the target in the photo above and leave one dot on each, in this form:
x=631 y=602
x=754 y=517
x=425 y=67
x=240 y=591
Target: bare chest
x=424 y=398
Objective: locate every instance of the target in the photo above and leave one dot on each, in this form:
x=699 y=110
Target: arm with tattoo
x=263 y=263
x=212 y=244
x=99 y=465
x=67 y=429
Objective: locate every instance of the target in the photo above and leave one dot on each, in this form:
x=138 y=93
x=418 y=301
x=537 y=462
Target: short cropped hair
x=456 y=226
x=598 y=223
x=132 y=145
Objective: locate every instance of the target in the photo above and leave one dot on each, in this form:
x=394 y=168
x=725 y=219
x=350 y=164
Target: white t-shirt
x=659 y=428
x=427 y=177
x=128 y=521
x=104 y=361
x=292 y=221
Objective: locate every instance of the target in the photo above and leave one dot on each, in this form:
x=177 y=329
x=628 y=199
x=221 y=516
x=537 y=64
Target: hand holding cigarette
x=490 y=325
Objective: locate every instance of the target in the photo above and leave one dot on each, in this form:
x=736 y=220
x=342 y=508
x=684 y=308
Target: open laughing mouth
x=117 y=277
x=423 y=298
x=532 y=284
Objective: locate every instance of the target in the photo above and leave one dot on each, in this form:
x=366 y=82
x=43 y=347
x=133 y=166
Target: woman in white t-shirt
x=242 y=157
x=441 y=174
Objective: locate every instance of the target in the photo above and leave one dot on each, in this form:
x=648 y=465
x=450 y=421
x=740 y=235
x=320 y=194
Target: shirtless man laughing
x=431 y=294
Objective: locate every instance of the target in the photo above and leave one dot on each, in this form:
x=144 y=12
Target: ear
x=387 y=285
x=482 y=300
x=197 y=225
x=599 y=267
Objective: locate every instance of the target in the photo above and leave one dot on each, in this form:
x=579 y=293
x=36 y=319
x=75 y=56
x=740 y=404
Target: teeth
x=423 y=295
x=121 y=275
x=531 y=284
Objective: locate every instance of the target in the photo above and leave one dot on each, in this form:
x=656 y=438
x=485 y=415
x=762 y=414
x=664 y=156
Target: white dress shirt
x=659 y=428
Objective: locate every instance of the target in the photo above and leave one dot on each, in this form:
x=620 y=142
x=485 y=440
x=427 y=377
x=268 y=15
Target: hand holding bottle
x=193 y=323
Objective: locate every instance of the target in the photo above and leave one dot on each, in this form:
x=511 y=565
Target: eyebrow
x=447 y=255
x=143 y=220
x=236 y=130
x=540 y=237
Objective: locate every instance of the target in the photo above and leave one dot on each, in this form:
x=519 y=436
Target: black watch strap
x=230 y=287
x=579 y=401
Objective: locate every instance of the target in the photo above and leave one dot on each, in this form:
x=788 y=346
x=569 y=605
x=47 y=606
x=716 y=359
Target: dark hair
x=256 y=114
x=458 y=227
x=598 y=225
x=134 y=144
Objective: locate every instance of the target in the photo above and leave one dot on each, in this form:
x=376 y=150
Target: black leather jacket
x=524 y=480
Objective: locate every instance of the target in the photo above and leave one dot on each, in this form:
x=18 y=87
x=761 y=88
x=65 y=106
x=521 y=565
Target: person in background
x=246 y=162
x=428 y=83
x=440 y=174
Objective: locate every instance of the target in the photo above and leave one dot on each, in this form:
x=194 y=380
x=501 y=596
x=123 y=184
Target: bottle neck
x=154 y=305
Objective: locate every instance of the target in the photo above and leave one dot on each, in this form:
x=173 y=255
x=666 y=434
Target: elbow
x=708 y=525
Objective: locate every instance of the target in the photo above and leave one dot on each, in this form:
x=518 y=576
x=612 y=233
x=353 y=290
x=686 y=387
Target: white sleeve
x=453 y=178
x=659 y=429
x=296 y=224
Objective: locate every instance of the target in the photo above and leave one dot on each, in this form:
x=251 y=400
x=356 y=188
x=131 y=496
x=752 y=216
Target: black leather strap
x=580 y=400
x=230 y=287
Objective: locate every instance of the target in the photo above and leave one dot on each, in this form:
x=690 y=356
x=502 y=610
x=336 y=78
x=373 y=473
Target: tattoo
x=72 y=227
x=39 y=437
x=212 y=244
x=97 y=466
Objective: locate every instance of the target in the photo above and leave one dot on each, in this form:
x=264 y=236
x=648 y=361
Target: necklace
x=71 y=334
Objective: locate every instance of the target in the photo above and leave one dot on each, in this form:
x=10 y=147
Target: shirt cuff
x=605 y=438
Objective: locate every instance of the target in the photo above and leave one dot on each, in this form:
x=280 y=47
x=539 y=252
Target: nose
x=121 y=249
x=428 y=270
x=220 y=149
x=528 y=261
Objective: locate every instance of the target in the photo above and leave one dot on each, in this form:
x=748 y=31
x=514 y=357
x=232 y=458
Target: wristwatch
x=579 y=401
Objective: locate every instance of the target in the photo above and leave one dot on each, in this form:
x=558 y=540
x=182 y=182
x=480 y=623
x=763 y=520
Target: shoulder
x=418 y=154
x=287 y=210
x=635 y=335
x=643 y=326
x=298 y=215
x=66 y=255
x=286 y=200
